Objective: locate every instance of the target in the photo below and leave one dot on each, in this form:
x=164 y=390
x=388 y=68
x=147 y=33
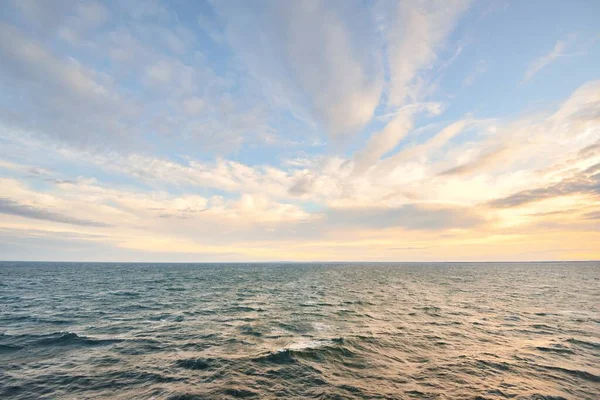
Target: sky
x=250 y=130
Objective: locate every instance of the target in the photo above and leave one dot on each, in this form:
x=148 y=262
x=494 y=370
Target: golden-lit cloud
x=515 y=200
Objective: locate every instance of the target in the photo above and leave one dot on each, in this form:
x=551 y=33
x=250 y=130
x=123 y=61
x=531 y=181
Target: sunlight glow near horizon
x=301 y=131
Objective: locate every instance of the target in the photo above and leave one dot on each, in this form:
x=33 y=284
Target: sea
x=300 y=331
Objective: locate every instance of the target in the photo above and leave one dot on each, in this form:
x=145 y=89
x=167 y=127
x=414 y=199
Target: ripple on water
x=138 y=331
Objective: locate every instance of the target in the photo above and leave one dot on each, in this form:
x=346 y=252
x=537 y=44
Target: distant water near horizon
x=300 y=331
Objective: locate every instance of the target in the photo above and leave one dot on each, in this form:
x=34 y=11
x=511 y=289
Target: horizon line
x=301 y=262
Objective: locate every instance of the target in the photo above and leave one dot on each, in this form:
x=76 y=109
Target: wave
x=166 y=317
x=132 y=336
x=125 y=293
x=309 y=344
x=175 y=289
x=242 y=309
x=588 y=376
x=229 y=392
x=65 y=338
x=502 y=366
x=584 y=343
x=321 y=350
x=195 y=363
x=555 y=349
x=186 y=396
x=250 y=330
x=239 y=392
x=71 y=338
x=34 y=319
x=543 y=327
x=7 y=348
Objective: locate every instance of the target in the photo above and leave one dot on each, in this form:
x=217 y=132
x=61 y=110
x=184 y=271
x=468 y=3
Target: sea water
x=296 y=331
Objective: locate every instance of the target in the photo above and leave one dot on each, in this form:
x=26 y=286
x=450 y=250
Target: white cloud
x=193 y=105
x=479 y=69
x=84 y=103
x=304 y=55
x=33 y=59
x=492 y=163
x=537 y=65
x=416 y=31
x=159 y=73
x=59 y=96
x=387 y=139
x=46 y=15
x=92 y=13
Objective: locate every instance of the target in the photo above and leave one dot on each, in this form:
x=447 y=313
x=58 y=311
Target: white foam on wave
x=280 y=332
x=307 y=344
x=320 y=326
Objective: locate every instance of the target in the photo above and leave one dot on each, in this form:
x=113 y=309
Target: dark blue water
x=357 y=331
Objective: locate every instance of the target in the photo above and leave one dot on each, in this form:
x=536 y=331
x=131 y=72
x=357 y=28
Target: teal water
x=296 y=331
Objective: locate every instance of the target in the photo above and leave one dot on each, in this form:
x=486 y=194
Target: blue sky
x=310 y=130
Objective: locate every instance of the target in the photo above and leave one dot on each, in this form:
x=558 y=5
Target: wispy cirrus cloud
x=318 y=59
x=573 y=45
x=418 y=29
x=536 y=66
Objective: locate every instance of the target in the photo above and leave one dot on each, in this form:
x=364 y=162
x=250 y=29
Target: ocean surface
x=300 y=331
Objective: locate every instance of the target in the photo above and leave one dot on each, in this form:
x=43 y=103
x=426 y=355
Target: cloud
x=302 y=185
x=93 y=13
x=150 y=133
x=467 y=162
x=388 y=138
x=420 y=30
x=60 y=96
x=159 y=73
x=409 y=217
x=477 y=165
x=537 y=65
x=320 y=58
x=594 y=215
x=11 y=207
x=591 y=150
x=121 y=86
x=46 y=15
x=31 y=59
x=193 y=105
x=586 y=182
x=412 y=153
x=479 y=69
